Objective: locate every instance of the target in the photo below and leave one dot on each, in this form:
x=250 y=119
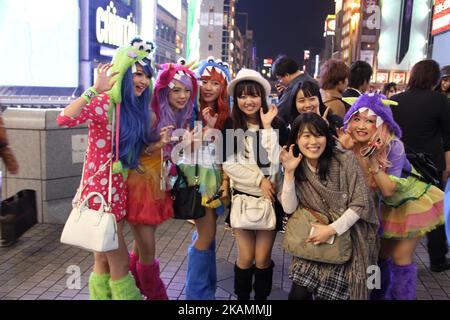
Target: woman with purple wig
x=409 y=207
x=149 y=203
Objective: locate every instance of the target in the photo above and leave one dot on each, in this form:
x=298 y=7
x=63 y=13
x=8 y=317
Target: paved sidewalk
x=36 y=266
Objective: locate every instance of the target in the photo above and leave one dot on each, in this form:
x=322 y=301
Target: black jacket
x=285 y=103
x=351 y=93
x=424 y=117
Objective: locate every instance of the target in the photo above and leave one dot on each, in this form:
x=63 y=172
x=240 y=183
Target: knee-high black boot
x=243 y=279
x=263 y=282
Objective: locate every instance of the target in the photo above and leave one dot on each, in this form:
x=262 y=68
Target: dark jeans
x=437 y=242
x=437 y=245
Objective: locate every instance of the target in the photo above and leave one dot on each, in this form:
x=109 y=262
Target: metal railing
x=35 y=102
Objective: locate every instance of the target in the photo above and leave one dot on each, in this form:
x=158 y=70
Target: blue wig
x=134 y=119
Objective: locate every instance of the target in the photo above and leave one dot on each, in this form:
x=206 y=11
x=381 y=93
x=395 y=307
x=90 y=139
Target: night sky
x=285 y=26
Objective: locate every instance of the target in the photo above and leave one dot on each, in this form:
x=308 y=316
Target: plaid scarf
x=345 y=188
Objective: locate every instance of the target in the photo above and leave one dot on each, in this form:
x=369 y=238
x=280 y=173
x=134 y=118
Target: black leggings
x=299 y=293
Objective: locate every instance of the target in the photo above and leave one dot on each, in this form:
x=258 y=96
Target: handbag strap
x=100 y=169
x=196 y=178
x=315 y=215
x=328 y=209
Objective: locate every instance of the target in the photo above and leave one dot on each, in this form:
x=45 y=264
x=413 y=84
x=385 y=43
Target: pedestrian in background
x=6 y=153
x=424 y=117
x=359 y=79
x=389 y=89
x=288 y=76
x=444 y=83
x=333 y=82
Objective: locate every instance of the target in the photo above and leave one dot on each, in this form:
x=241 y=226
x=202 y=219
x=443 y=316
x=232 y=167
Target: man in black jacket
x=288 y=74
x=424 y=117
x=359 y=79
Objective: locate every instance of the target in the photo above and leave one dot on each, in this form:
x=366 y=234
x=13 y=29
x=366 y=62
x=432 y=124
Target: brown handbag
x=298 y=229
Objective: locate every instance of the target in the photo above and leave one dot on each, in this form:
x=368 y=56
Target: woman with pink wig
x=409 y=207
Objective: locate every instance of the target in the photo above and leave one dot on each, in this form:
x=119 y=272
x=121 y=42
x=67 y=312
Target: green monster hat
x=125 y=58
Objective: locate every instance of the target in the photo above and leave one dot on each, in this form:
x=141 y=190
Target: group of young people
x=355 y=167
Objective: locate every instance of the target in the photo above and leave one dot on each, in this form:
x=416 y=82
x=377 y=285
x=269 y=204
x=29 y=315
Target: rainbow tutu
x=147 y=203
x=415 y=209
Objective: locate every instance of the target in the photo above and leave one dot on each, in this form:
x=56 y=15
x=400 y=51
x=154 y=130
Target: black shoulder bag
x=424 y=166
x=187 y=200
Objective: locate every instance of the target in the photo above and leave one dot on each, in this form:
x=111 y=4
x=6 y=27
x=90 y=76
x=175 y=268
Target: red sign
x=268 y=62
x=441 y=16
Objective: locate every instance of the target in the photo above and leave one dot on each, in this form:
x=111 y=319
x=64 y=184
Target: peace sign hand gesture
x=344 y=137
x=268 y=117
x=325 y=115
x=209 y=119
x=288 y=160
x=104 y=81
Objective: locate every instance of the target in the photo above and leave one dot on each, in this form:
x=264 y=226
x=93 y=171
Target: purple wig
x=167 y=117
x=374 y=102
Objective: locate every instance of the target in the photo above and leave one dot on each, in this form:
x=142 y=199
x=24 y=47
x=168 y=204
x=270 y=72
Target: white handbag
x=252 y=213
x=93 y=230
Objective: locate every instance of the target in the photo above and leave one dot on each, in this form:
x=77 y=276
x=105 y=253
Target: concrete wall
x=49 y=160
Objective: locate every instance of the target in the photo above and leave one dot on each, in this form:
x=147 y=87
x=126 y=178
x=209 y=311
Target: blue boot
x=404 y=282
x=213 y=270
x=384 y=293
x=198 y=278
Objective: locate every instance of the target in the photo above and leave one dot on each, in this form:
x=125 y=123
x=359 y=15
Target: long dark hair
x=310 y=89
x=246 y=87
x=319 y=128
x=425 y=75
x=239 y=118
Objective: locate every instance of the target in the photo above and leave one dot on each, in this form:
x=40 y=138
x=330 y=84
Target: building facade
x=440 y=48
x=390 y=35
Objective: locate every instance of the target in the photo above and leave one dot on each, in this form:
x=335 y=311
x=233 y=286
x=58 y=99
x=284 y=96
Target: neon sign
x=113 y=29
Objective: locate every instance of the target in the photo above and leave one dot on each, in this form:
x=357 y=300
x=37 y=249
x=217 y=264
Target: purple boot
x=404 y=282
x=384 y=293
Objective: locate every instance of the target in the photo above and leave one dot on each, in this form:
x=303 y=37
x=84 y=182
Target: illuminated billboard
x=40 y=43
x=112 y=24
x=330 y=25
x=393 y=44
x=148 y=19
x=441 y=16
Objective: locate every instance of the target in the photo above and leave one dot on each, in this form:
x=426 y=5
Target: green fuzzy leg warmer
x=99 y=287
x=125 y=289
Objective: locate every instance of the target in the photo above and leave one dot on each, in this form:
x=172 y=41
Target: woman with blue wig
x=150 y=202
x=120 y=92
